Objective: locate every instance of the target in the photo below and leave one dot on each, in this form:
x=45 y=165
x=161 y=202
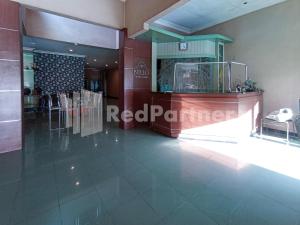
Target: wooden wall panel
x=112 y=83
x=11 y=134
x=9 y=44
x=9 y=15
x=10 y=78
x=12 y=108
x=10 y=75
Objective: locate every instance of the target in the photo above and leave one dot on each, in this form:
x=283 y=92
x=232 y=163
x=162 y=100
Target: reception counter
x=217 y=115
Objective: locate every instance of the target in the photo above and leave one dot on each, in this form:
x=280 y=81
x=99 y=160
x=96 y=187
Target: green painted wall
x=28 y=72
x=154 y=66
x=196 y=49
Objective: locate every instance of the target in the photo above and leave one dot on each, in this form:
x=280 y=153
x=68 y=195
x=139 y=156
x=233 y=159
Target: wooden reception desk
x=208 y=114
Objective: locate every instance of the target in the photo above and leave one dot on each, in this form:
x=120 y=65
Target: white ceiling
x=102 y=56
x=197 y=15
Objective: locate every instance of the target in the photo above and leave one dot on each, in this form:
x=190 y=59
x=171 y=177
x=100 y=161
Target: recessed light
x=87 y=63
x=71 y=50
x=106 y=65
x=95 y=60
x=116 y=62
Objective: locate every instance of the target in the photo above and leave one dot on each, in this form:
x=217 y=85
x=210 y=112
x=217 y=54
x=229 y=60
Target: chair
x=280 y=118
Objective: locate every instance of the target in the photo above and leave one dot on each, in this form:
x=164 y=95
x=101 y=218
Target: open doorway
x=63 y=57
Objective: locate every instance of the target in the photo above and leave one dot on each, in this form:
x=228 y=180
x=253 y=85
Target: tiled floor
x=136 y=178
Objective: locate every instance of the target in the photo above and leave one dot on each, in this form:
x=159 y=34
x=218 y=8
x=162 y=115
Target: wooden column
x=135 y=76
x=10 y=77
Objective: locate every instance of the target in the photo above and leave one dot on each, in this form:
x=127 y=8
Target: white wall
x=268 y=41
x=109 y=13
x=49 y=26
x=140 y=11
x=104 y=12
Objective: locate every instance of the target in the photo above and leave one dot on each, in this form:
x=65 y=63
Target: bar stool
x=54 y=107
x=66 y=110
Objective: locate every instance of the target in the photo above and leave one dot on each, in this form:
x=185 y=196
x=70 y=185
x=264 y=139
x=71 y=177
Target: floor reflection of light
x=277 y=157
x=77 y=183
x=72 y=168
x=207 y=153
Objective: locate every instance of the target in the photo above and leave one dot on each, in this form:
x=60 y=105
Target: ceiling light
x=106 y=65
x=116 y=62
x=87 y=63
x=71 y=50
x=95 y=60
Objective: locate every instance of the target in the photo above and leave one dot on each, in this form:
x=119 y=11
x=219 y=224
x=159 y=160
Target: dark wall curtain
x=58 y=73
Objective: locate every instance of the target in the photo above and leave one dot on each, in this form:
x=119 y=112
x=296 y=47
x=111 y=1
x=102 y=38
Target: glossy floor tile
x=138 y=177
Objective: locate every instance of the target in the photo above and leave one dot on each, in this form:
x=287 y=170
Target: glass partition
x=208 y=77
x=91 y=113
x=83 y=112
x=76 y=112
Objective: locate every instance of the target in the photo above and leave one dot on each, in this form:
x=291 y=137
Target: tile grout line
x=138 y=193
x=57 y=194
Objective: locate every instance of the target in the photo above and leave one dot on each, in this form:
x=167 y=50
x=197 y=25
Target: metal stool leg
x=261 y=128
x=50 y=119
x=287 y=132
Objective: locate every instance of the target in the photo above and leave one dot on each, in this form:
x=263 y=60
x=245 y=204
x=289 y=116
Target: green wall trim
x=219 y=37
x=186 y=56
x=166 y=32
x=159 y=35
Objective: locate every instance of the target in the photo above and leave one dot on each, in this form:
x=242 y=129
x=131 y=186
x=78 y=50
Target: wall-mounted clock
x=183 y=46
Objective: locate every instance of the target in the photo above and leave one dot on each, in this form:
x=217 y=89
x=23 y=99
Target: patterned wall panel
x=58 y=73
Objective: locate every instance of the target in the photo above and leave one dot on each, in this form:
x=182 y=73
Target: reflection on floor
x=280 y=137
x=137 y=178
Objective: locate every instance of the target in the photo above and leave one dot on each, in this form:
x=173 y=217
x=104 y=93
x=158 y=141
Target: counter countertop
x=210 y=95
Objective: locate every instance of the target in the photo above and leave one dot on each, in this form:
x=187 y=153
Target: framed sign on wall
x=183 y=46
